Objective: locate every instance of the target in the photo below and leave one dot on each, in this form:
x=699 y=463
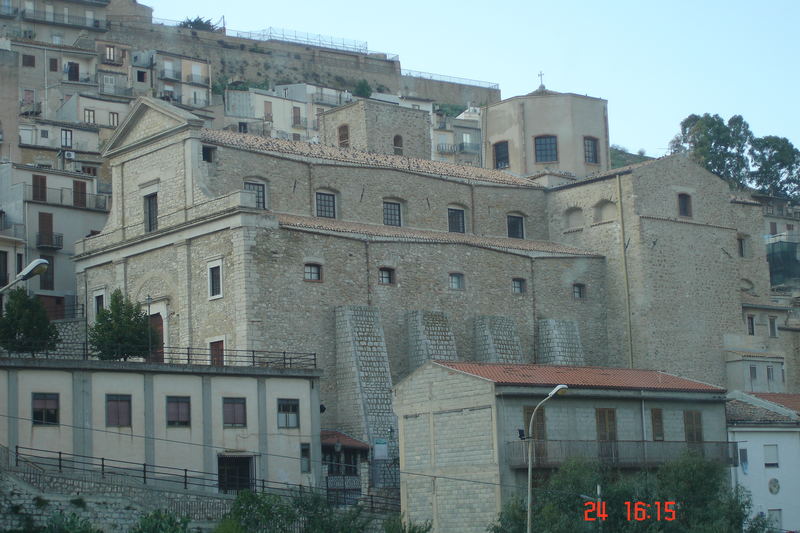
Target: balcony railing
x=197 y=78
x=444 y=148
x=622 y=453
x=66 y=20
x=116 y=90
x=52 y=241
x=8 y=11
x=299 y=122
x=30 y=108
x=170 y=74
x=113 y=62
x=331 y=99
x=82 y=78
x=470 y=148
x=68 y=197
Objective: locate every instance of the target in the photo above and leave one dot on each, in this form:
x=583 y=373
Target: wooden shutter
x=217 y=353
x=39 y=188
x=606 y=424
x=78 y=193
x=657 y=419
x=693 y=425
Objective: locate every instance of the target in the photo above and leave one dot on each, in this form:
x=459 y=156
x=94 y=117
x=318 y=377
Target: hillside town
x=362 y=282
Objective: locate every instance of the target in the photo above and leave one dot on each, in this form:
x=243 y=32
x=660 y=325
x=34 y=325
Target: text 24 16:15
x=634 y=511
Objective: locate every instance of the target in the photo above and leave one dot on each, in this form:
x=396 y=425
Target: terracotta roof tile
x=330 y=437
x=790 y=401
x=319 y=151
x=415 y=235
x=737 y=411
x=587 y=377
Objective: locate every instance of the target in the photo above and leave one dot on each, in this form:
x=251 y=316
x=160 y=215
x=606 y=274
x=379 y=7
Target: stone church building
x=379 y=263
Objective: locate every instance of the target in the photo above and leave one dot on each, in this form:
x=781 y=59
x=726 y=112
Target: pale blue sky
x=655 y=63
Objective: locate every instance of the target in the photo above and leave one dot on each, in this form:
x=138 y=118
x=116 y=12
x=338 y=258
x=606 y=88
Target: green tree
x=363 y=89
x=25 y=327
x=777 y=166
x=121 y=331
x=395 y=524
x=198 y=23
x=161 y=522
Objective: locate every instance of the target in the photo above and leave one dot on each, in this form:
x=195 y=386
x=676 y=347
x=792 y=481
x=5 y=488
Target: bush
x=395 y=524
x=161 y=522
x=71 y=523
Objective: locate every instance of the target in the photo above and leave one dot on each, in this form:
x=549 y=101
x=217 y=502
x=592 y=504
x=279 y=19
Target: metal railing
x=81 y=78
x=176 y=355
x=339 y=99
x=444 y=148
x=470 y=148
x=181 y=478
x=53 y=241
x=299 y=122
x=60 y=18
x=30 y=108
x=624 y=453
x=170 y=74
x=197 y=78
x=196 y=102
x=116 y=89
x=449 y=79
x=68 y=197
x=8 y=11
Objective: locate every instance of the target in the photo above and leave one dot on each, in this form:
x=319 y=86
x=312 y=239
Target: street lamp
x=36 y=267
x=531 y=443
x=149 y=300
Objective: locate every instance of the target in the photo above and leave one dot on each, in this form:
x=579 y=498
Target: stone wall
x=559 y=343
x=429 y=337
x=496 y=341
x=72 y=334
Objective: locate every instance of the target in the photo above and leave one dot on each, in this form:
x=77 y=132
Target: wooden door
x=45 y=229
x=607 y=433
x=78 y=193
x=217 y=353
x=39 y=188
x=156 y=341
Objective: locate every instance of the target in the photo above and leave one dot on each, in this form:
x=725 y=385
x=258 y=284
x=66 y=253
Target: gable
x=149 y=124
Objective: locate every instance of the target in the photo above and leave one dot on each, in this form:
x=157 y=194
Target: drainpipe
x=623 y=250
x=644 y=432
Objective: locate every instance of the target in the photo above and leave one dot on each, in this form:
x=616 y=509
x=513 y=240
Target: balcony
x=443 y=148
x=331 y=99
x=30 y=108
x=64 y=20
x=113 y=62
x=79 y=78
x=170 y=74
x=68 y=198
x=51 y=241
x=170 y=96
x=623 y=453
x=469 y=148
x=197 y=79
x=8 y=12
x=267 y=117
x=300 y=122
x=116 y=90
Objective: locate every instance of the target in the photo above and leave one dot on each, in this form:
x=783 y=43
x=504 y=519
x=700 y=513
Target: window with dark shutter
x=693 y=425
x=657 y=419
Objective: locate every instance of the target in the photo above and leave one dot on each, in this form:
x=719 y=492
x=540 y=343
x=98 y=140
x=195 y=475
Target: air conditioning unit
x=69 y=155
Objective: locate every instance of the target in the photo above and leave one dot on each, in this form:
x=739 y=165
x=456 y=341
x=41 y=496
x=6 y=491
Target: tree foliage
x=24 y=327
x=729 y=149
x=121 y=330
x=161 y=522
x=395 y=524
x=198 y=23
x=68 y=523
x=362 y=89
x=705 y=503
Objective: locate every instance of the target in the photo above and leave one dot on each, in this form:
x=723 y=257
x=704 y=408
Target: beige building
x=461 y=457
x=230 y=427
x=546 y=131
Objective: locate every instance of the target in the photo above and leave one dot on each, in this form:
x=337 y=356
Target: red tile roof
x=348 y=155
x=330 y=437
x=790 y=401
x=416 y=235
x=587 y=377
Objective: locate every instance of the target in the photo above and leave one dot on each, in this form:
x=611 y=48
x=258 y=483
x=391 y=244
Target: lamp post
x=149 y=300
x=531 y=443
x=36 y=267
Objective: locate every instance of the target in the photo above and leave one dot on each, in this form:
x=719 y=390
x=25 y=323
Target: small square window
x=215 y=279
x=45 y=408
x=312 y=272
x=28 y=60
x=178 y=411
x=209 y=154
x=141 y=76
x=44 y=134
x=326 y=205
x=546 y=148
x=53 y=64
x=516 y=226
x=305 y=457
x=234 y=412
x=118 y=410
x=261 y=193
x=243 y=127
x=455 y=220
x=457 y=281
x=518 y=285
x=391 y=214
x=288 y=413
x=88 y=116
x=386 y=276
x=579 y=291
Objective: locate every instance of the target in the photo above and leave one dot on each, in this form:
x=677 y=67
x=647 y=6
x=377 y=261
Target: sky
x=655 y=62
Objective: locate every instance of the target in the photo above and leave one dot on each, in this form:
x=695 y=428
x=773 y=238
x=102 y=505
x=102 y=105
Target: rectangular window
x=501 y=155
x=740 y=245
x=44 y=134
x=457 y=281
x=151 y=212
x=53 y=64
x=45 y=408
x=657 y=420
x=590 y=152
x=516 y=226
x=684 y=205
x=99 y=304
x=113 y=118
x=92 y=171
x=789 y=227
x=771 y=455
x=753 y=373
x=386 y=276
x=88 y=116
x=770 y=373
x=296 y=137
x=66 y=138
x=455 y=220
x=178 y=411
x=312 y=272
x=141 y=76
x=243 y=127
x=305 y=457
x=775 y=517
x=546 y=148
x=518 y=285
x=344 y=136
x=326 y=205
x=111 y=53
x=28 y=60
x=693 y=425
x=234 y=412
x=209 y=154
x=773 y=326
x=215 y=279
x=20 y=263
x=579 y=291
x=391 y=214
x=261 y=193
x=118 y=410
x=751 y=325
x=47 y=278
x=288 y=413
x=773 y=228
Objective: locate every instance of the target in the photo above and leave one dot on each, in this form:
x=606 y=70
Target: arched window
x=344 y=136
x=398 y=145
x=684 y=205
x=604 y=210
x=573 y=218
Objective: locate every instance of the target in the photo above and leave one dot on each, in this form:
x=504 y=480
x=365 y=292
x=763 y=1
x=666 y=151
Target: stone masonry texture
x=496 y=341
x=560 y=343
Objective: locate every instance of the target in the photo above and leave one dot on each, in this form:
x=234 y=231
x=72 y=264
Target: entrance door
x=73 y=71
x=607 y=434
x=157 y=343
x=234 y=472
x=217 y=353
